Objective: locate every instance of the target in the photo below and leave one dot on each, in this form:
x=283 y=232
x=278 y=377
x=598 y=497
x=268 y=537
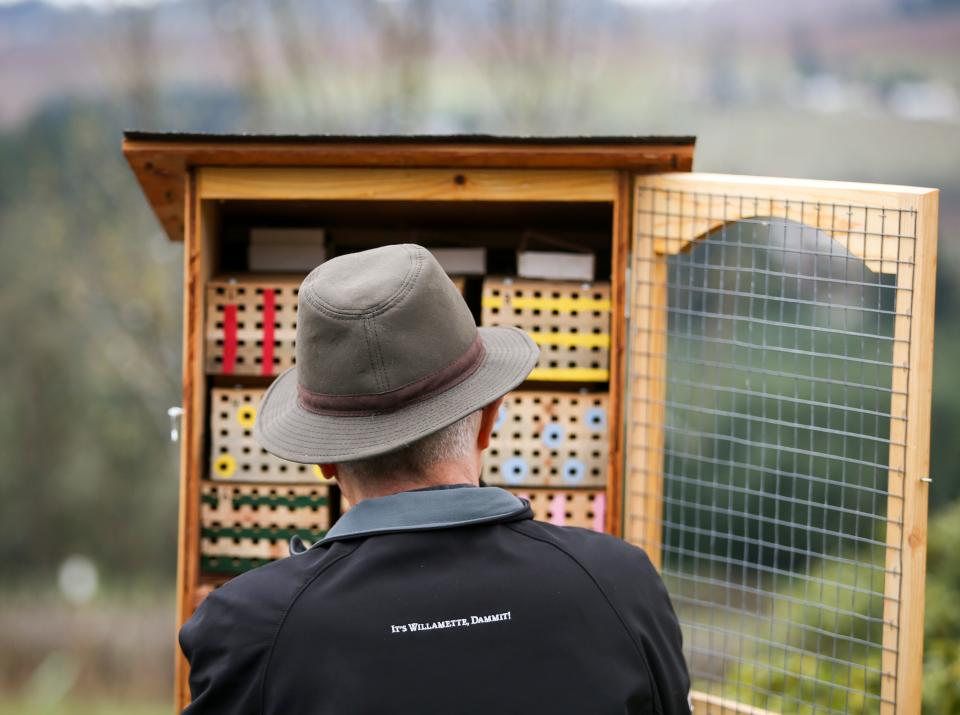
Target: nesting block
x=251 y=325
x=235 y=456
x=586 y=508
x=556 y=439
x=570 y=321
x=245 y=525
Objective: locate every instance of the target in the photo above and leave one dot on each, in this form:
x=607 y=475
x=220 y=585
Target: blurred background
x=861 y=90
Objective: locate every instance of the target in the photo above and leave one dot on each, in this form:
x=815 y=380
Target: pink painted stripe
x=599 y=512
x=558 y=510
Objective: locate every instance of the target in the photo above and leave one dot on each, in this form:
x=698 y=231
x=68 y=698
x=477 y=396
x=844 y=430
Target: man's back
x=442 y=601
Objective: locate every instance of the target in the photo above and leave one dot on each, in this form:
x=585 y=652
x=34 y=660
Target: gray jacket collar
x=428 y=509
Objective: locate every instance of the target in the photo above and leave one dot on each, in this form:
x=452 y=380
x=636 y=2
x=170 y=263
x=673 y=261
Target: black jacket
x=441 y=601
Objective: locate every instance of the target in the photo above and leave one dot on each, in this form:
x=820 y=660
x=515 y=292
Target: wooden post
x=909 y=461
x=191 y=287
x=647 y=380
x=197 y=261
x=618 y=351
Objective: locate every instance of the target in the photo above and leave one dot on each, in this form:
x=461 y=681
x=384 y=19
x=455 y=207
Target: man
x=431 y=594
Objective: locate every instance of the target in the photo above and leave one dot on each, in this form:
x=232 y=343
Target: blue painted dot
x=573 y=471
x=514 y=470
x=596 y=419
x=553 y=435
x=501 y=418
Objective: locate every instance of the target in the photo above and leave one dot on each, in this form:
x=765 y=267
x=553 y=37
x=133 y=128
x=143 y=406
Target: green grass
x=83 y=707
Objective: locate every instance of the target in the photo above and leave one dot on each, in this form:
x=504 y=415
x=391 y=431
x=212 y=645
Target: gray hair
x=449 y=444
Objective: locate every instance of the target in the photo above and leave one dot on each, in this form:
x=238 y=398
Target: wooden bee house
x=735 y=375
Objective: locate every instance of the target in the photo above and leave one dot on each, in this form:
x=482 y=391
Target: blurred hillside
x=865 y=90
x=856 y=90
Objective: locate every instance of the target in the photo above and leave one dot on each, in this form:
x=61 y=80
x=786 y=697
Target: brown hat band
x=427 y=386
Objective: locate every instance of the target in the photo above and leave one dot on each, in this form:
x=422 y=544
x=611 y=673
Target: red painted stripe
x=229 y=338
x=269 y=318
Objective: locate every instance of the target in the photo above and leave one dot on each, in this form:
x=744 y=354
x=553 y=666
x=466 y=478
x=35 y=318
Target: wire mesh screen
x=765 y=459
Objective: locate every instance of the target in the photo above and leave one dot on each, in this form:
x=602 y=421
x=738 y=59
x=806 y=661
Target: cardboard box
x=286 y=249
x=462 y=261
x=554 y=265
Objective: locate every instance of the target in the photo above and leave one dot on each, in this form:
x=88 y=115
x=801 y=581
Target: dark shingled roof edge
x=137 y=135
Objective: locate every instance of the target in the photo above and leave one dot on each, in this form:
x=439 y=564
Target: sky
x=108 y=4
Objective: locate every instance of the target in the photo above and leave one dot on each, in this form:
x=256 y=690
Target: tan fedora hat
x=387 y=353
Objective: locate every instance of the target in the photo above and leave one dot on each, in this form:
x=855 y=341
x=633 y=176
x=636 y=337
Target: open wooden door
x=777 y=433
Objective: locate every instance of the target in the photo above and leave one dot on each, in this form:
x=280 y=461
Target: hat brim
x=286 y=429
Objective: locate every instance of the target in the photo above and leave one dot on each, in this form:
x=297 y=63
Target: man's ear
x=330 y=471
x=488 y=418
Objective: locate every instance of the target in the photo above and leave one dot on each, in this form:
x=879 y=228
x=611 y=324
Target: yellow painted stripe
x=584 y=340
x=570 y=374
x=564 y=305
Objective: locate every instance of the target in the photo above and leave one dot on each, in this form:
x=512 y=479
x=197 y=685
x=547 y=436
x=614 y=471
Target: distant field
x=21 y=707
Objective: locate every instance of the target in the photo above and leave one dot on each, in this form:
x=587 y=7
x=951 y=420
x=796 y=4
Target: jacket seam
x=283 y=620
x=373 y=354
x=383 y=365
x=657 y=707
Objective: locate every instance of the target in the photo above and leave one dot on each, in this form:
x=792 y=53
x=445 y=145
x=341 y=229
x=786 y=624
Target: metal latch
x=175 y=413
